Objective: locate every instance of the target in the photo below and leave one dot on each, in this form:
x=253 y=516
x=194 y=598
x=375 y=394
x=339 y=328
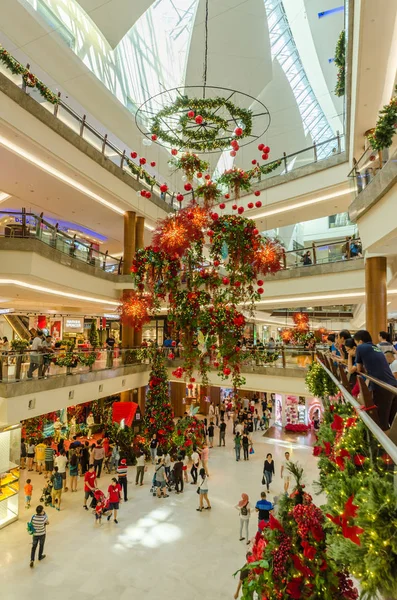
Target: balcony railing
x=102 y=142
x=28 y=365
x=30 y=226
x=370 y=163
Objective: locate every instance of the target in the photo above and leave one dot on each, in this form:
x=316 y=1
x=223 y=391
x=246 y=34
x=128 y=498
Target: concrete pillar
x=127 y=337
x=375 y=296
x=139 y=243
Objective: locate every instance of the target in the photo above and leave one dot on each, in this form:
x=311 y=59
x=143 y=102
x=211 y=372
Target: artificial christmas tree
x=158 y=412
x=93 y=335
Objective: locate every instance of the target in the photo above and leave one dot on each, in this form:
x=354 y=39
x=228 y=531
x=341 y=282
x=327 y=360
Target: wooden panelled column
x=127 y=338
x=178 y=393
x=375 y=296
x=139 y=243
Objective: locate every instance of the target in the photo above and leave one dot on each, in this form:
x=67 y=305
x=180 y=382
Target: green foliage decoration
x=386 y=125
x=340 y=62
x=319 y=382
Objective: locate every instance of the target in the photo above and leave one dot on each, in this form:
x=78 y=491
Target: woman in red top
x=114 y=495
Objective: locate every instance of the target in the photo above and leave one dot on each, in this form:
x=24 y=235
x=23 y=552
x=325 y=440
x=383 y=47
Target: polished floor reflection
x=161 y=548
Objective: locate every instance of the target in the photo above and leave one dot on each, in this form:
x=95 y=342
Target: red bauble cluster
x=146 y=194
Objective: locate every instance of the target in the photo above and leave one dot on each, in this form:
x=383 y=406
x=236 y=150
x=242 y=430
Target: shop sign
x=73 y=324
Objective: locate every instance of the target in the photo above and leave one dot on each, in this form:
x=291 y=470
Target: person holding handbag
x=268 y=471
x=245 y=513
x=195 y=465
x=161 y=479
x=202 y=490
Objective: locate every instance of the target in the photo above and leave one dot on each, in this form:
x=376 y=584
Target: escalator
x=19 y=325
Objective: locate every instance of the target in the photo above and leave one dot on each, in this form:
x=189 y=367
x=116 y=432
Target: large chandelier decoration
x=203 y=118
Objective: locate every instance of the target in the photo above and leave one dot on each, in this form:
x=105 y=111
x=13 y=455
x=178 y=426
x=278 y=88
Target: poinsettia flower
x=275 y=524
x=317 y=450
x=327 y=446
x=293 y=588
x=338 y=423
x=359 y=460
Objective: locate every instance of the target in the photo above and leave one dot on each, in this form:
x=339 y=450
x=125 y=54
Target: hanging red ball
x=265 y=156
x=226 y=371
x=255 y=231
x=234 y=143
x=257 y=193
x=266 y=149
x=207 y=177
x=254 y=161
x=174 y=151
x=190 y=114
x=238 y=131
x=188 y=187
x=225 y=280
x=259 y=282
x=227 y=196
x=240 y=210
x=134 y=154
x=192 y=380
x=222 y=205
x=210 y=233
x=148 y=195
x=216 y=364
x=234 y=206
x=250 y=205
x=214 y=216
x=142 y=161
x=180 y=197
x=190 y=386
x=237 y=284
x=164 y=188
x=258 y=204
x=233 y=153
x=216 y=263
x=260 y=147
x=260 y=290
x=152 y=164
x=143 y=193
x=199 y=119
x=173 y=343
x=171 y=356
x=199 y=175
x=154 y=137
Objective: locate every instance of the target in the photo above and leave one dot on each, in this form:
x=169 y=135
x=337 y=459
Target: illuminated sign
x=73 y=324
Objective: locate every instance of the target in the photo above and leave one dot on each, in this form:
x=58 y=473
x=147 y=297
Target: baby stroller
x=99 y=498
x=46 y=495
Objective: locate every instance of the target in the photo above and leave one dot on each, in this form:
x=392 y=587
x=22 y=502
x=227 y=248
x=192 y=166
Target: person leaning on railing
x=370 y=359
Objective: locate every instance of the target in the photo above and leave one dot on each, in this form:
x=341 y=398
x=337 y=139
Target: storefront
x=10 y=452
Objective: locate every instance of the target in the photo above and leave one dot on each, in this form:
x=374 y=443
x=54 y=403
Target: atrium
x=198 y=269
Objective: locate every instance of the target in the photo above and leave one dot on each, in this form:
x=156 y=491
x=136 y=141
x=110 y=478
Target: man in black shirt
x=222 y=433
x=211 y=431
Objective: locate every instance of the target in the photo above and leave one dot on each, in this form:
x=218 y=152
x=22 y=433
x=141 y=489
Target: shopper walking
x=30 y=453
x=237 y=445
x=85 y=458
x=89 y=484
x=61 y=461
x=256 y=419
x=205 y=454
x=203 y=491
x=73 y=469
x=268 y=471
x=153 y=448
x=114 y=458
x=195 y=465
x=211 y=431
x=39 y=522
x=178 y=475
x=122 y=471
x=49 y=456
x=160 y=477
x=222 y=433
x=28 y=489
x=263 y=507
x=140 y=468
x=217 y=415
x=285 y=472
x=244 y=509
x=99 y=455
x=24 y=453
x=114 y=495
x=40 y=456
x=56 y=492
x=245 y=441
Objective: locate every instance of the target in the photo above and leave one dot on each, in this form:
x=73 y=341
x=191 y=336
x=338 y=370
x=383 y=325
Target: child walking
x=28 y=489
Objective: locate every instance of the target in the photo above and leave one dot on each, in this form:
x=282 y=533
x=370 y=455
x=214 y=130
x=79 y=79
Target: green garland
x=31 y=80
x=260 y=170
x=386 y=125
x=140 y=173
x=199 y=139
x=319 y=382
x=340 y=61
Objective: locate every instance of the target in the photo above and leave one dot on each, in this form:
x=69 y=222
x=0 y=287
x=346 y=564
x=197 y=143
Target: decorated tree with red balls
x=158 y=411
x=289 y=557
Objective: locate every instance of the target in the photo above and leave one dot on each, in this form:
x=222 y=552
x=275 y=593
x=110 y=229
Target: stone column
x=375 y=296
x=127 y=338
x=139 y=243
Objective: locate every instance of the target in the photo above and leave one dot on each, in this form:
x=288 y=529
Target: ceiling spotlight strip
x=301 y=204
x=53 y=292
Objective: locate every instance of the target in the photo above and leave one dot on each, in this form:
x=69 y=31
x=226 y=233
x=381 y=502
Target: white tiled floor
x=160 y=548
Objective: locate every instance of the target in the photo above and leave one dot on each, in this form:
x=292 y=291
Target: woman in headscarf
x=245 y=512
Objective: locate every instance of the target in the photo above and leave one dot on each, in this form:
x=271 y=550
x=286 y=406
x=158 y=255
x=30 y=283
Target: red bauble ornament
x=143 y=193
x=154 y=137
x=226 y=371
x=233 y=153
x=142 y=161
x=173 y=343
x=148 y=195
x=180 y=197
x=254 y=161
x=238 y=131
x=234 y=143
x=234 y=206
x=266 y=149
x=207 y=177
x=174 y=151
x=216 y=263
x=163 y=188
x=214 y=216
x=255 y=231
x=152 y=164
x=265 y=156
x=250 y=205
x=260 y=290
x=225 y=280
x=210 y=233
x=134 y=154
x=240 y=210
x=190 y=114
x=237 y=284
x=222 y=205
x=258 y=204
x=199 y=119
x=190 y=386
x=199 y=175
x=259 y=282
x=188 y=187
x=192 y=380
x=257 y=193
x=260 y=147
x=227 y=196
x=216 y=364
x=171 y=356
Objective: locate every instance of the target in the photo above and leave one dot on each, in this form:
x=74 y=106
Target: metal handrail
x=380 y=435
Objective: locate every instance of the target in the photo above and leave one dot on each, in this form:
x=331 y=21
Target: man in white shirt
x=211 y=411
x=239 y=428
x=140 y=468
x=285 y=472
x=196 y=463
x=35 y=355
x=246 y=402
x=391 y=359
x=61 y=461
x=216 y=415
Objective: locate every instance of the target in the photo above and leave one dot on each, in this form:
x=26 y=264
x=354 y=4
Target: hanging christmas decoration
x=136 y=309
